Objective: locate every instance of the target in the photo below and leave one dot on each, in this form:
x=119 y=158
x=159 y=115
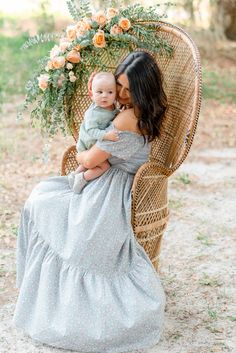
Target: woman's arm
x=93 y=157
x=125 y=120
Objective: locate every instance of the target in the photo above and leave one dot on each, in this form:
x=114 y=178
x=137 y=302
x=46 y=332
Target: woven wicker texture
x=182 y=83
x=69 y=162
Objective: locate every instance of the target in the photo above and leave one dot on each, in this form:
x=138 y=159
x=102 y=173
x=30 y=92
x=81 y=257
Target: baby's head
x=104 y=89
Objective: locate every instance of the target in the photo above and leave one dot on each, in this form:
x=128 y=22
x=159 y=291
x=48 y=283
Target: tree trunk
x=223 y=18
x=230 y=30
x=217 y=22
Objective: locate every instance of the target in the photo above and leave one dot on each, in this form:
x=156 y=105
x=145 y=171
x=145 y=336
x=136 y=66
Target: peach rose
x=100 y=18
x=43 y=81
x=99 y=39
x=77 y=47
x=73 y=56
x=58 y=62
x=112 y=12
x=71 y=32
x=124 y=23
x=116 y=30
x=55 y=51
x=49 y=66
x=82 y=27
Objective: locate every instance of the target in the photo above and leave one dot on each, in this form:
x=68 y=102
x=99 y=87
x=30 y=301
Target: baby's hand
x=111 y=136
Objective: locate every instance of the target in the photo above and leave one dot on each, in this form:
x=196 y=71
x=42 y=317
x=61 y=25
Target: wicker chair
x=182 y=80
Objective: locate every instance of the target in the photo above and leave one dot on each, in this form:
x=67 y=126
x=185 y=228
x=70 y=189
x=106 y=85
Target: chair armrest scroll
x=69 y=162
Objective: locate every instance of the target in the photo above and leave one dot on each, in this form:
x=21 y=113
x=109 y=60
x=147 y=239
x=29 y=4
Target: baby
x=97 y=118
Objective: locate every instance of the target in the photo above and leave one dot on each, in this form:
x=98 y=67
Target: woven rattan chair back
x=182 y=83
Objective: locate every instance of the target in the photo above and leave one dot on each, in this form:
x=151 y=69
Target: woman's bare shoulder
x=126 y=121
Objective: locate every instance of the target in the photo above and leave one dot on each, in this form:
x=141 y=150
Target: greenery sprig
x=80 y=51
x=79 y=10
x=40 y=38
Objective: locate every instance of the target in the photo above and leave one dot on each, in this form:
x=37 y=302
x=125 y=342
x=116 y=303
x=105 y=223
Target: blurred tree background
x=218 y=16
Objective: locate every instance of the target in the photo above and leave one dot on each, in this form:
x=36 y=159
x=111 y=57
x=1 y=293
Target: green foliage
x=17 y=65
x=175 y=204
x=212 y=313
x=79 y=9
x=44 y=20
x=232 y=318
x=184 y=178
x=219 y=86
x=51 y=89
x=39 y=39
x=210 y=281
x=204 y=239
x=3 y=271
x=1 y=20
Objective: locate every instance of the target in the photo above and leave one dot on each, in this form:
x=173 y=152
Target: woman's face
x=123 y=92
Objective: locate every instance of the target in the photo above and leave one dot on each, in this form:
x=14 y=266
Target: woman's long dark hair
x=147 y=94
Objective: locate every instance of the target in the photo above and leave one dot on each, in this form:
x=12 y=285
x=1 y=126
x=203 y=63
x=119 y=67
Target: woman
x=85 y=283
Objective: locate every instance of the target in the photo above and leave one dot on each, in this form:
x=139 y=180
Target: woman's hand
x=90 y=83
x=92 y=158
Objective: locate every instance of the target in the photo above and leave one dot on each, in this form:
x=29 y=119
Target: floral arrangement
x=79 y=51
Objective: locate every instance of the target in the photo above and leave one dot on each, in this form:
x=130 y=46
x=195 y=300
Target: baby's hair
x=104 y=74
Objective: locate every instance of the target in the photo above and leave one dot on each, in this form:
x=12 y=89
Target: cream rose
x=73 y=56
x=111 y=12
x=99 y=39
x=58 y=62
x=64 y=45
x=69 y=66
x=55 y=51
x=124 y=23
x=43 y=81
x=63 y=39
x=100 y=18
x=73 y=78
x=116 y=30
x=71 y=32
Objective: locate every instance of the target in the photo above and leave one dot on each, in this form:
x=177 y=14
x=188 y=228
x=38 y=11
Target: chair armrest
x=69 y=162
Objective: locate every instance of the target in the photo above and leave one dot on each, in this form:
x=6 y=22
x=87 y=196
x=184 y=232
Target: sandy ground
x=198 y=251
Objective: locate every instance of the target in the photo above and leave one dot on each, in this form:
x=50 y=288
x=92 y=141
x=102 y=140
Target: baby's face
x=104 y=91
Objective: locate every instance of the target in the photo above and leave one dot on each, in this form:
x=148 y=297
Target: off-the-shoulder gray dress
x=85 y=283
